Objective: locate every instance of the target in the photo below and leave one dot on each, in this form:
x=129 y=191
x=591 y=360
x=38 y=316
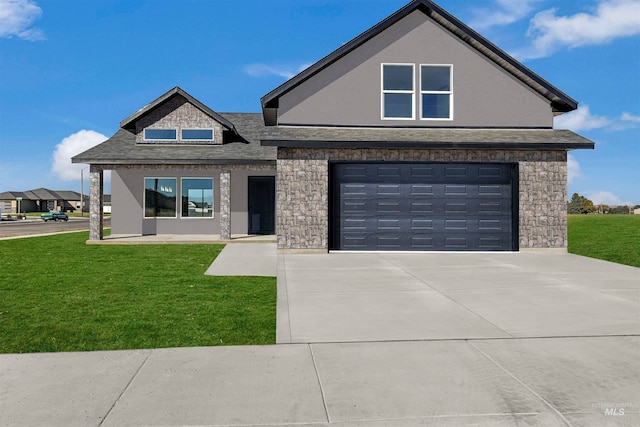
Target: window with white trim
x=197 y=197
x=160 y=134
x=398 y=93
x=197 y=134
x=436 y=94
x=160 y=197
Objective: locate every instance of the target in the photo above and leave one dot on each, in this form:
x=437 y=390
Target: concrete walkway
x=248 y=259
x=169 y=239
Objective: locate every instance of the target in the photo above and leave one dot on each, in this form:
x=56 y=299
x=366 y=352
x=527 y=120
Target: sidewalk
x=533 y=382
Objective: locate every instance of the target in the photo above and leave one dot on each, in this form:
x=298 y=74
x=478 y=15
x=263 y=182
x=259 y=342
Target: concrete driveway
x=348 y=297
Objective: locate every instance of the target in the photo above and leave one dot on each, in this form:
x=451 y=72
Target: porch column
x=225 y=205
x=96 y=202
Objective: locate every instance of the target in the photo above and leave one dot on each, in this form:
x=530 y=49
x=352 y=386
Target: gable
x=490 y=88
x=179 y=115
x=177 y=118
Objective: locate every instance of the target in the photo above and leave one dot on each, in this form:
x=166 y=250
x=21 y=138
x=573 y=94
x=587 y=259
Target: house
x=418 y=134
x=39 y=200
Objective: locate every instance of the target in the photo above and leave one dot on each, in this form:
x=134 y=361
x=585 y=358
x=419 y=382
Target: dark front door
x=423 y=206
x=262 y=204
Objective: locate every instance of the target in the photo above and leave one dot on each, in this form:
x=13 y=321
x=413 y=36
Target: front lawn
x=610 y=237
x=58 y=294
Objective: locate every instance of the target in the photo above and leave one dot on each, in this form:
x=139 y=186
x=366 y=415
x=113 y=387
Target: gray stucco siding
x=127 y=203
x=348 y=92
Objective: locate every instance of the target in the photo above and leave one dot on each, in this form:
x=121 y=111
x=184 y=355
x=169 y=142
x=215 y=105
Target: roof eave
x=179 y=162
x=428 y=145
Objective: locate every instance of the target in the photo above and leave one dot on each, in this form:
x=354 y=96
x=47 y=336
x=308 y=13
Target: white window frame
x=144 y=134
x=144 y=197
x=383 y=92
x=436 y=92
x=213 y=198
x=213 y=135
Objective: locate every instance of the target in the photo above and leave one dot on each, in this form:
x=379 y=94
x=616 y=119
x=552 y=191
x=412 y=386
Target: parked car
x=54 y=216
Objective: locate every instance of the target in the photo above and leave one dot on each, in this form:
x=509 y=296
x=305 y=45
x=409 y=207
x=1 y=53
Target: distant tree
x=602 y=208
x=588 y=206
x=580 y=205
x=620 y=210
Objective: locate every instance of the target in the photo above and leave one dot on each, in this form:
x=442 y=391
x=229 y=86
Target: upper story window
x=197 y=134
x=398 y=93
x=160 y=134
x=192 y=135
x=436 y=94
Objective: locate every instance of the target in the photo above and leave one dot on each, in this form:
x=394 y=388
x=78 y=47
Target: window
x=197 y=134
x=160 y=197
x=160 y=134
x=436 y=95
x=197 y=197
x=398 y=95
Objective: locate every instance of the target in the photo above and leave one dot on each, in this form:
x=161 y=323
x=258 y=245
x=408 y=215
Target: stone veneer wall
x=178 y=114
x=302 y=217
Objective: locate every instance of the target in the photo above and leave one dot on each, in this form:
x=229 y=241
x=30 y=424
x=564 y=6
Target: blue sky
x=71 y=70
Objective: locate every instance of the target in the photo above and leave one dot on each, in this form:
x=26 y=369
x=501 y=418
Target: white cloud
x=628 y=117
x=573 y=169
x=610 y=20
x=504 y=12
x=606 y=198
x=626 y=121
x=286 y=71
x=579 y=120
x=16 y=17
x=70 y=146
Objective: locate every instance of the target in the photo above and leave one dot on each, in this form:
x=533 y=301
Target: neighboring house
x=40 y=200
x=419 y=134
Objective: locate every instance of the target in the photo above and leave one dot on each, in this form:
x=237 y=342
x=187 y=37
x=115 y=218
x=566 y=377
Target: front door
x=262 y=203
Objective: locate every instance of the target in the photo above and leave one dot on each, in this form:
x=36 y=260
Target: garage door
x=418 y=206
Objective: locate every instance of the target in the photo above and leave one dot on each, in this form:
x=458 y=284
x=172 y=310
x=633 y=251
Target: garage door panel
x=412 y=206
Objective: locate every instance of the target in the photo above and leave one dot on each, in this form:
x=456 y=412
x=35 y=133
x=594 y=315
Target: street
x=37 y=226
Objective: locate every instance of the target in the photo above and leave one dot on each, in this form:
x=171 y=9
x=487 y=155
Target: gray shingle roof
x=11 y=195
x=256 y=143
x=41 y=194
x=68 y=195
x=347 y=137
x=243 y=147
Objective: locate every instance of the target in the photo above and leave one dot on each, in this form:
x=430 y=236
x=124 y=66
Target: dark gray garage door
x=418 y=206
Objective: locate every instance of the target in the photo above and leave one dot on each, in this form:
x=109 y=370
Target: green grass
x=610 y=237
x=58 y=294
